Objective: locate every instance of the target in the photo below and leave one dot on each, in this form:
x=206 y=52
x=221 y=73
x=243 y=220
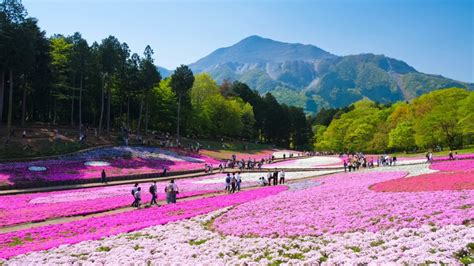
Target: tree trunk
x=80 y=105
x=146 y=115
x=109 y=99
x=10 y=105
x=102 y=105
x=179 y=113
x=140 y=117
x=128 y=111
x=55 y=115
x=2 y=93
x=23 y=109
x=72 y=106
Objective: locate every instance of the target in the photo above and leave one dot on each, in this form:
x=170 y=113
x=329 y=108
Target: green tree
x=181 y=81
x=402 y=137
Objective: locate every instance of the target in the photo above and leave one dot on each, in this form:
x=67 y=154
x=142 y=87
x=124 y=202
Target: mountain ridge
x=307 y=76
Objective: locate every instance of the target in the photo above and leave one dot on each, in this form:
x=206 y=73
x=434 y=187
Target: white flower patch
x=311 y=162
x=88 y=194
x=193 y=242
x=97 y=163
x=413 y=170
x=35 y=168
x=254 y=177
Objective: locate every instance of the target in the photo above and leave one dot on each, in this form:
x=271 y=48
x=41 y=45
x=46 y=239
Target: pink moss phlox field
x=122 y=160
x=16 y=209
x=456 y=180
x=46 y=237
x=453 y=165
x=344 y=203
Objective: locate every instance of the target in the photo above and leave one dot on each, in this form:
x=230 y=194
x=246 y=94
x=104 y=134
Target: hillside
x=309 y=77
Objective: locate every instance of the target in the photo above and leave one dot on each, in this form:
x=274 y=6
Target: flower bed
x=344 y=203
x=46 y=237
x=457 y=180
x=117 y=161
x=453 y=165
x=311 y=162
x=191 y=242
x=36 y=207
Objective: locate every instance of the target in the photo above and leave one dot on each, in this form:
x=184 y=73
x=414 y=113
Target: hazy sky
x=431 y=35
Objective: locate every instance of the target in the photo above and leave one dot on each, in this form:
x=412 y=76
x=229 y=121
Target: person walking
x=153 y=192
x=227 y=182
x=103 y=176
x=282 y=177
x=233 y=184
x=171 y=190
x=275 y=178
x=138 y=197
x=239 y=181
x=134 y=191
x=269 y=178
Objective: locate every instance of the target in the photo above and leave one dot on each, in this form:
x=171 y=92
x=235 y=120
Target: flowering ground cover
x=257 y=155
x=46 y=237
x=337 y=219
x=15 y=209
x=311 y=162
x=453 y=165
x=116 y=161
x=191 y=242
x=319 y=210
x=456 y=180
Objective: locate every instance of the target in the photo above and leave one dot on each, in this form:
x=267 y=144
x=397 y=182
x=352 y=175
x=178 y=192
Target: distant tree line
x=441 y=119
x=65 y=80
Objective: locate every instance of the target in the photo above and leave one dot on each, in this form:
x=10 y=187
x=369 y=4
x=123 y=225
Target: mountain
x=309 y=77
x=164 y=72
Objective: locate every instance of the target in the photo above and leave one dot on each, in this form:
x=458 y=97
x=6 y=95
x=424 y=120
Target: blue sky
x=434 y=36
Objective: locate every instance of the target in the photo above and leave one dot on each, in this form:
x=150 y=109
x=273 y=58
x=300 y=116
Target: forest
x=64 y=80
x=441 y=119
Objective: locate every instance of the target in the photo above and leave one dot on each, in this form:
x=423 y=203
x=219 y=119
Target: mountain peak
x=259 y=50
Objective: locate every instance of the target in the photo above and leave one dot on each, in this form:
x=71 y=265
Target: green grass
x=466 y=255
x=16 y=241
x=355 y=249
x=56 y=148
x=137 y=247
x=197 y=242
x=377 y=243
x=103 y=249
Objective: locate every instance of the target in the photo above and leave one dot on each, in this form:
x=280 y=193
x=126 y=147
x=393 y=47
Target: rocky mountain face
x=309 y=77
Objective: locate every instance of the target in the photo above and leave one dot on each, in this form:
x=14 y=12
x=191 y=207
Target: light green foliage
x=61 y=55
x=440 y=118
x=163 y=106
x=213 y=114
x=436 y=120
x=401 y=137
x=466 y=114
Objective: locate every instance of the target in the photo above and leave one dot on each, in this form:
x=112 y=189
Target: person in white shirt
x=239 y=180
x=134 y=190
x=269 y=178
x=282 y=177
x=138 y=197
x=171 y=190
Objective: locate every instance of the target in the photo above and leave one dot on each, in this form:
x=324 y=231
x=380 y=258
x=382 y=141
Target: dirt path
x=61 y=220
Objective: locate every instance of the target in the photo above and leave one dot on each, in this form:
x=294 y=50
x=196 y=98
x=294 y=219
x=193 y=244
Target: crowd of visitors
x=353 y=162
x=274 y=178
x=171 y=190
